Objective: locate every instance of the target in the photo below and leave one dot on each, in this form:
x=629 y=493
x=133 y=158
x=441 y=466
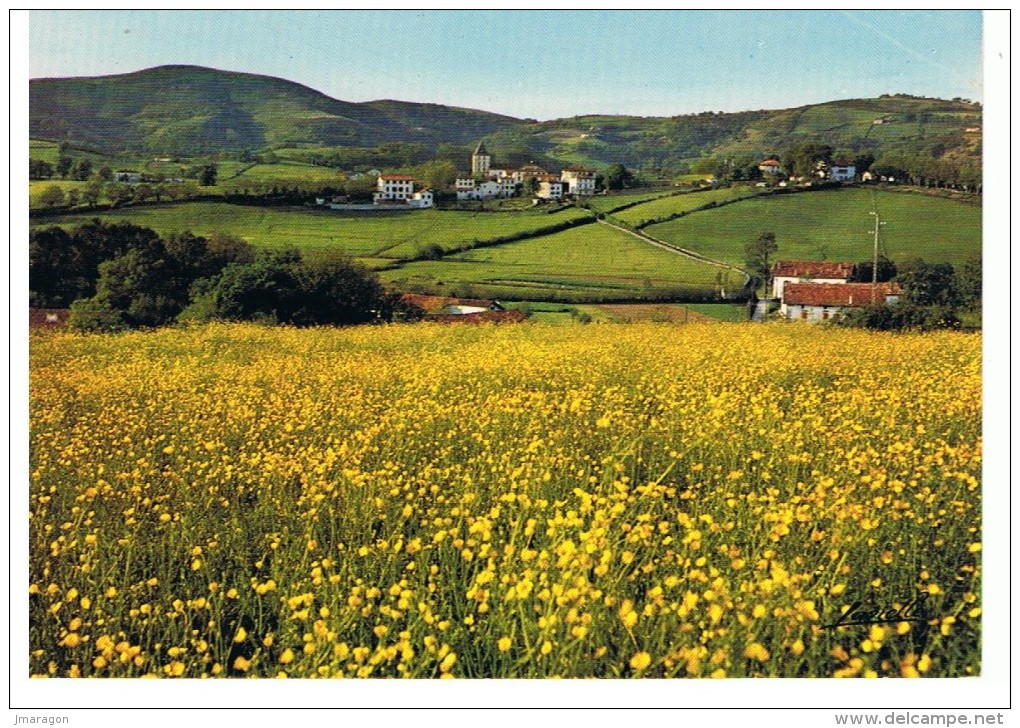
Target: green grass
x=388 y=235
x=616 y=200
x=666 y=206
x=589 y=261
x=282 y=173
x=551 y=312
x=43 y=150
x=38 y=185
x=834 y=225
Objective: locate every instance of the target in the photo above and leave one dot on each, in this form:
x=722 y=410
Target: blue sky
x=541 y=64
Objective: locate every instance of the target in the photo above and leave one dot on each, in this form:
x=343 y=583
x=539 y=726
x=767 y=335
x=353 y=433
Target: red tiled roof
x=398 y=177
x=769 y=163
x=39 y=318
x=836 y=294
x=811 y=269
x=435 y=303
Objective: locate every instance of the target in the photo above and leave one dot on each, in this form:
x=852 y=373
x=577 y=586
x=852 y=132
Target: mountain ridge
x=192 y=110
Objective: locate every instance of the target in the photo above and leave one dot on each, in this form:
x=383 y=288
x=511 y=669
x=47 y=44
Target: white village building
x=808 y=271
x=487 y=182
x=393 y=188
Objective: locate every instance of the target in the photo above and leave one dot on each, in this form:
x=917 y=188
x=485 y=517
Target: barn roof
x=812 y=269
x=835 y=294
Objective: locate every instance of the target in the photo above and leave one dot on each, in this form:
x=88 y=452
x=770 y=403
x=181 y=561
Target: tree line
x=807 y=158
x=118 y=275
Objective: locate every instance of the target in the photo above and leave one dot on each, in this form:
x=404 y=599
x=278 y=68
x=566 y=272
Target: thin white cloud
x=853 y=17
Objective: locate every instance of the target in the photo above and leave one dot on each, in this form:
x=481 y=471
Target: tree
x=804 y=157
x=64 y=165
x=336 y=292
x=758 y=258
x=207 y=175
x=38 y=169
x=436 y=174
x=619 y=177
x=969 y=279
x=862 y=271
x=82 y=169
x=118 y=193
x=52 y=196
x=105 y=173
x=143 y=192
x=91 y=192
x=929 y=284
x=264 y=289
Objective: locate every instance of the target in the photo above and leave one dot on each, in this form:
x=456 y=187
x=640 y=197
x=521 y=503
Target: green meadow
x=665 y=207
x=616 y=200
x=591 y=262
x=834 y=225
x=587 y=262
x=391 y=235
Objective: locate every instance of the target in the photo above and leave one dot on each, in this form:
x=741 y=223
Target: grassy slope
x=592 y=259
x=834 y=225
x=667 y=206
x=373 y=234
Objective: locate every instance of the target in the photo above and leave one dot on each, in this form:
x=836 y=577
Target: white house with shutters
x=578 y=181
x=393 y=188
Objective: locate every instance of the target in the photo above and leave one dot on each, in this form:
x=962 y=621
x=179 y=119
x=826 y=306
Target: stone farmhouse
x=815 y=302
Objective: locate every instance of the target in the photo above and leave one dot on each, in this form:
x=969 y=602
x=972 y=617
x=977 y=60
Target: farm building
x=422 y=199
x=842 y=172
x=462 y=310
x=393 y=188
x=769 y=166
x=48 y=318
x=550 y=189
x=469 y=189
x=579 y=180
x=808 y=271
x=814 y=302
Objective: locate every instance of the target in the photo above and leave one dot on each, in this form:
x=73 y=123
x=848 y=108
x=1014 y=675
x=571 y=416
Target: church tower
x=480 y=160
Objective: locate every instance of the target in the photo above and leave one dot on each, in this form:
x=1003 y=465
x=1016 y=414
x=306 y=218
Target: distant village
x=483 y=182
x=487 y=181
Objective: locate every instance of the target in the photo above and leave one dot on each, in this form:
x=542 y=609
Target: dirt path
x=641 y=235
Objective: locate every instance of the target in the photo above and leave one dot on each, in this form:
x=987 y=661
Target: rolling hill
x=188 y=110
x=191 y=110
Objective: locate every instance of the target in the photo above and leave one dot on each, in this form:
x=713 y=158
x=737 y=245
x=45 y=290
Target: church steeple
x=480 y=160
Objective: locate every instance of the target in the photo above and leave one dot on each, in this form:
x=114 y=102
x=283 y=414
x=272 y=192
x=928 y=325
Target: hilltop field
x=527 y=501
x=564 y=254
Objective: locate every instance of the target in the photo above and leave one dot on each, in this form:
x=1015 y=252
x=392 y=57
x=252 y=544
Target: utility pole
x=874 y=261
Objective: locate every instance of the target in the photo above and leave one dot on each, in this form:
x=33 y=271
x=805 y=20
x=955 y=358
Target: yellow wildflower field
x=645 y=500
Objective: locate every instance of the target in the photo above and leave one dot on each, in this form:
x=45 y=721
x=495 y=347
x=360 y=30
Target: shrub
x=95 y=316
